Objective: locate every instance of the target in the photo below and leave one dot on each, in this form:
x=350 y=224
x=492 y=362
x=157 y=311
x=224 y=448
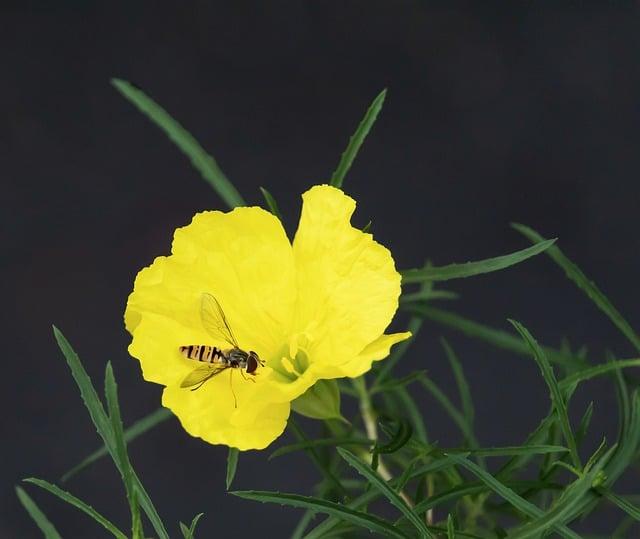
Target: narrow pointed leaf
x=556 y=394
x=509 y=495
x=458 y=418
x=509 y=451
x=632 y=510
x=495 y=337
x=186 y=143
x=232 y=465
x=79 y=504
x=598 y=370
x=104 y=428
x=451 y=531
x=322 y=529
x=315 y=457
x=461 y=381
x=569 y=504
x=46 y=527
x=386 y=491
x=194 y=523
x=582 y=281
x=139 y=427
x=428 y=295
x=469 y=269
x=320 y=442
x=319 y=505
x=356 y=140
x=111 y=394
x=271 y=203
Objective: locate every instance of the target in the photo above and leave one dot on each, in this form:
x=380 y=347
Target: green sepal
x=320 y=401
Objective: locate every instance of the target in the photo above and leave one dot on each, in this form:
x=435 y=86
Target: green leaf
x=302 y=525
x=320 y=442
x=399 y=438
x=315 y=457
x=413 y=413
x=139 y=427
x=397 y=352
x=343 y=512
x=381 y=485
x=232 y=465
x=461 y=381
x=320 y=401
x=395 y=383
x=469 y=489
x=88 y=393
x=111 y=394
x=186 y=143
x=271 y=203
x=189 y=533
x=79 y=504
x=104 y=428
x=632 y=510
x=357 y=139
x=48 y=530
x=568 y=505
x=598 y=370
x=557 y=397
x=582 y=281
x=469 y=269
x=509 y=495
x=508 y=451
x=451 y=531
x=363 y=500
x=495 y=337
x=585 y=421
x=427 y=295
x=453 y=412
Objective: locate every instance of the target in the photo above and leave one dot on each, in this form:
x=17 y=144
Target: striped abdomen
x=202 y=352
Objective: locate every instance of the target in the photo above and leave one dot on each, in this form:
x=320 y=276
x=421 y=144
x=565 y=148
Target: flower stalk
x=369 y=418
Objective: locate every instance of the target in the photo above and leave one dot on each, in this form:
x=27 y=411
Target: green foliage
x=204 y=163
x=48 y=530
x=271 y=203
x=357 y=139
x=137 y=429
x=582 y=281
x=232 y=465
x=534 y=488
x=469 y=269
x=79 y=504
x=320 y=401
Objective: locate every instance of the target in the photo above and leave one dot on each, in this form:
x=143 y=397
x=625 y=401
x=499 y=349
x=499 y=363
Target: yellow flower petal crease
x=313 y=309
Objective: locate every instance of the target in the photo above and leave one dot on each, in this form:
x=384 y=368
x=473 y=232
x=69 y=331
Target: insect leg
x=245 y=378
x=235 y=400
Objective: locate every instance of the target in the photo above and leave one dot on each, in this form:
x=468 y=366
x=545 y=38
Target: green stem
x=371 y=428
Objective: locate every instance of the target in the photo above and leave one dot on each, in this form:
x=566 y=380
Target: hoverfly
x=217 y=360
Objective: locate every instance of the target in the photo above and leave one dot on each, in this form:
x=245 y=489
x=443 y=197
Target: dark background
x=527 y=113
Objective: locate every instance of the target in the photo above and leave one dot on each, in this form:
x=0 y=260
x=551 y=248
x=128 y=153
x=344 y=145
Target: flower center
x=294 y=358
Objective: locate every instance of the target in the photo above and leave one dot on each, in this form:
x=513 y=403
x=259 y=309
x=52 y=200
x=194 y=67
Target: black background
x=520 y=111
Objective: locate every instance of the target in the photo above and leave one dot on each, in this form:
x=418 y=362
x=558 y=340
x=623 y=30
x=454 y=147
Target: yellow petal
x=209 y=413
x=348 y=285
x=245 y=260
x=375 y=351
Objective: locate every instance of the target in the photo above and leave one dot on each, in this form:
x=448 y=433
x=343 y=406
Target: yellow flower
x=315 y=309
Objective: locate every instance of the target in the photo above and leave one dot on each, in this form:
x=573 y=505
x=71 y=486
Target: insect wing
x=214 y=320
x=201 y=375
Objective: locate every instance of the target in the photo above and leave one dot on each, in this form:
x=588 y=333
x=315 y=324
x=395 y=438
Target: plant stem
x=371 y=427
